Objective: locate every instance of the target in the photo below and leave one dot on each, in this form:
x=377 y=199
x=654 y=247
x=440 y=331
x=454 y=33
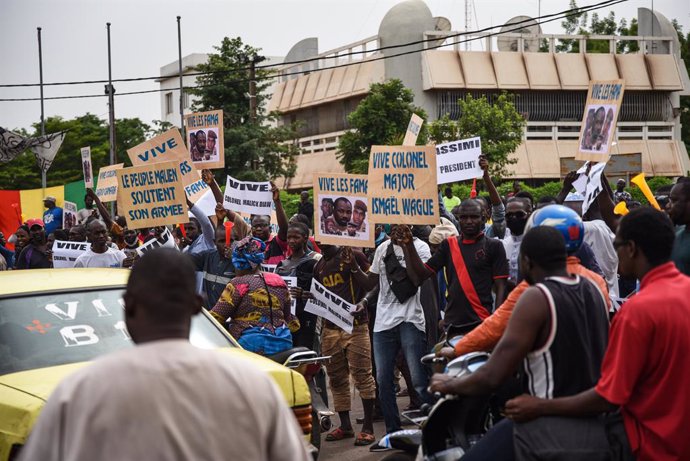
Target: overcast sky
x=144 y=38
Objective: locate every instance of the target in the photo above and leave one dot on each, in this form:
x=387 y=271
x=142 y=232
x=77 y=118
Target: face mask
x=516 y=225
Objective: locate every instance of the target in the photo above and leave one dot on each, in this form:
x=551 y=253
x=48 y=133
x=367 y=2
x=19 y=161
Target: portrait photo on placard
x=344 y=216
x=203 y=145
x=599 y=125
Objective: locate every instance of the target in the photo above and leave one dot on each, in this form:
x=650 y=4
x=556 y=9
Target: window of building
x=185 y=100
x=168 y=103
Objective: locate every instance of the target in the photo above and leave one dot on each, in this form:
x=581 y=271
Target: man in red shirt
x=646 y=368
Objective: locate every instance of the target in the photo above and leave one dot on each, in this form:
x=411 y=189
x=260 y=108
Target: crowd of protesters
x=534 y=279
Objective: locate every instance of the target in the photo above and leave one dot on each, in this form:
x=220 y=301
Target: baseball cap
x=50 y=198
x=34 y=222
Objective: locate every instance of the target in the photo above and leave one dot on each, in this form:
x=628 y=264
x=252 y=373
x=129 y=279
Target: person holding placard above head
x=100 y=254
x=199 y=230
x=257 y=303
x=276 y=245
x=88 y=210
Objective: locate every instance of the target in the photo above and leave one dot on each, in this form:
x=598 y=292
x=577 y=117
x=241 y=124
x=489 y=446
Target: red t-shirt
x=646 y=369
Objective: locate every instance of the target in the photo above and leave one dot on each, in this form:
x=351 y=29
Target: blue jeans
x=387 y=343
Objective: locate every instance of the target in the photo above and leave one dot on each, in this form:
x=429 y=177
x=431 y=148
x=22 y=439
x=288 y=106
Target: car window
x=58 y=328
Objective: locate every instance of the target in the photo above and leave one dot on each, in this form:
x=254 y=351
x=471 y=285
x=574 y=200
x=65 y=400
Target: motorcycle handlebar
x=432 y=358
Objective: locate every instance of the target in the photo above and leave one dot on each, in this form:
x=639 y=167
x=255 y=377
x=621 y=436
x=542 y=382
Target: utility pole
x=179 y=61
x=43 y=121
x=110 y=91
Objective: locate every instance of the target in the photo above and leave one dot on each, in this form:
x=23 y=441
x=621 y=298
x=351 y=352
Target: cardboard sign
x=604 y=100
x=69 y=214
x=66 y=253
x=248 y=197
x=458 y=160
x=106 y=189
x=151 y=195
x=328 y=305
x=167 y=147
x=402 y=185
x=341 y=207
x=291 y=282
x=413 y=130
x=166 y=241
x=205 y=141
x=87 y=167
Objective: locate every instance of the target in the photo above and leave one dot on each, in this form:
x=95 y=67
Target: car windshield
x=50 y=329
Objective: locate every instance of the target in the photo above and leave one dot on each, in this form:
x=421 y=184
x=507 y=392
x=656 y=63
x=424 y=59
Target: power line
x=516 y=26
x=560 y=15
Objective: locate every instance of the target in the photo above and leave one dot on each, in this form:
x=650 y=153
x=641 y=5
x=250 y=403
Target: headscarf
x=248 y=253
x=442 y=231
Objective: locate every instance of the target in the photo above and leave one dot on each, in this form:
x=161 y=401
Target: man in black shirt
x=306 y=207
x=474 y=264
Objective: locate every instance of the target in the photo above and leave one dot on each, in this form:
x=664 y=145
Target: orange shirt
x=486 y=336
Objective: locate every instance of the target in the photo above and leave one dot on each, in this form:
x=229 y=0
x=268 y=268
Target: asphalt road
x=345 y=450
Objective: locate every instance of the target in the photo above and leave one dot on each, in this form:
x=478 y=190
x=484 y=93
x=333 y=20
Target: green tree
x=499 y=125
x=380 y=119
x=86 y=130
x=254 y=150
x=572 y=24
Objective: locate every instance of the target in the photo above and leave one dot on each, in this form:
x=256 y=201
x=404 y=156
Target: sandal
x=364 y=438
x=339 y=434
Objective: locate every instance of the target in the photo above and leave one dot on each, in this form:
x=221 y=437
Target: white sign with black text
x=458 y=160
x=593 y=185
x=166 y=241
x=66 y=253
x=248 y=197
x=291 y=282
x=330 y=306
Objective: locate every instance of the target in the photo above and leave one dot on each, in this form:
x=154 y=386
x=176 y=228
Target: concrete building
x=551 y=86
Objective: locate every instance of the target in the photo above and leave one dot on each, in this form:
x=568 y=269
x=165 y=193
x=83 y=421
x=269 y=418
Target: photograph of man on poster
x=597 y=127
x=338 y=216
x=203 y=145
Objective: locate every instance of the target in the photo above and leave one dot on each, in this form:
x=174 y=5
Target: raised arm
x=417 y=271
x=107 y=219
x=208 y=233
x=280 y=213
x=606 y=205
x=209 y=179
x=567 y=186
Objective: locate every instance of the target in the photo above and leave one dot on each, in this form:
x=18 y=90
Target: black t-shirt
x=33 y=258
x=338 y=279
x=485 y=260
x=307 y=209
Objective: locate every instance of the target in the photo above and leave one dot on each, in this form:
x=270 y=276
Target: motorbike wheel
x=315 y=431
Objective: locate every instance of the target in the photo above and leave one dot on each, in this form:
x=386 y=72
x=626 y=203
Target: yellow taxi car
x=54 y=321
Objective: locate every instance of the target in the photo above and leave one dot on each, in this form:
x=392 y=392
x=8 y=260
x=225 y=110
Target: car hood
x=40 y=383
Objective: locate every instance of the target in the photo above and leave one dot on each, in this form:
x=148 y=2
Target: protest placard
x=166 y=240
x=206 y=142
x=291 y=282
x=106 y=189
x=151 y=195
x=402 y=185
x=166 y=147
x=330 y=306
x=66 y=253
x=593 y=186
x=87 y=167
x=458 y=160
x=340 y=210
x=604 y=100
x=413 y=130
x=248 y=196
x=69 y=214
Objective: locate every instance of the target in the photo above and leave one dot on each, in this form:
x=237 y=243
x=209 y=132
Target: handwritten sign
x=291 y=282
x=166 y=240
x=248 y=197
x=151 y=195
x=205 y=139
x=413 y=130
x=87 y=166
x=458 y=160
x=69 y=214
x=166 y=147
x=402 y=185
x=341 y=208
x=66 y=253
x=604 y=100
x=106 y=189
x=330 y=306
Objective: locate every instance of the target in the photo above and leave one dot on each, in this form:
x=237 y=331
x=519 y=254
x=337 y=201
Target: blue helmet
x=563 y=219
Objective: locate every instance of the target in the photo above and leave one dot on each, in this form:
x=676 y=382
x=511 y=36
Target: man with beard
x=35 y=254
x=342 y=214
x=474 y=264
x=679 y=210
x=88 y=210
x=100 y=254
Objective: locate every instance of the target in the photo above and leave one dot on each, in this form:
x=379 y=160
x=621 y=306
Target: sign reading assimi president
x=458 y=160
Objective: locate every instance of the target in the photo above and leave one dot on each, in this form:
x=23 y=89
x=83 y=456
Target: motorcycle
x=310 y=365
